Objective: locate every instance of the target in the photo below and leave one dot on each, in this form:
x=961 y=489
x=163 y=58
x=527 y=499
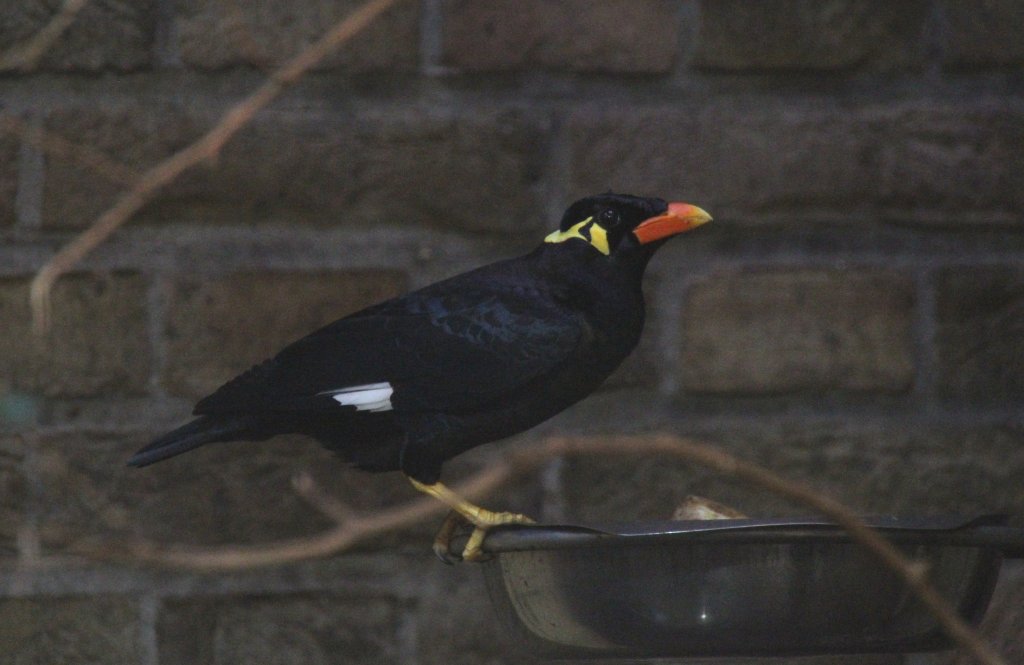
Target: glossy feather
x=413 y=381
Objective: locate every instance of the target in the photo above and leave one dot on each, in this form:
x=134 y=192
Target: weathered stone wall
x=854 y=318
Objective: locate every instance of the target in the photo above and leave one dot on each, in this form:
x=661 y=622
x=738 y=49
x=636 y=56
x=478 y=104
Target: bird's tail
x=199 y=432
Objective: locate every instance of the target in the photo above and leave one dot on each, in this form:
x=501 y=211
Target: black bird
x=412 y=382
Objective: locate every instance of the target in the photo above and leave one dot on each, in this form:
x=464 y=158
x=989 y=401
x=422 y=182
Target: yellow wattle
x=598 y=236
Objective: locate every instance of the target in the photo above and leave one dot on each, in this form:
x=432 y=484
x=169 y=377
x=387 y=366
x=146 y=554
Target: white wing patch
x=369 y=397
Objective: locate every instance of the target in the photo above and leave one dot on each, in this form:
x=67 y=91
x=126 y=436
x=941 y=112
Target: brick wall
x=854 y=317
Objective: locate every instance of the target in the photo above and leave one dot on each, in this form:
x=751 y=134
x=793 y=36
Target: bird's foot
x=464 y=511
x=483 y=521
x=473 y=551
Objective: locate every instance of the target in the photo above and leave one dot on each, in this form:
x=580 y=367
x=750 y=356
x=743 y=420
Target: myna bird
x=411 y=382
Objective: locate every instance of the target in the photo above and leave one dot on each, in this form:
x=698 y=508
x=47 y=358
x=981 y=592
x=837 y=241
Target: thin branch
x=356 y=528
x=205 y=148
x=319 y=498
x=25 y=55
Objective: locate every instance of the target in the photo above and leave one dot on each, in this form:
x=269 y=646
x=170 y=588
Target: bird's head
x=615 y=224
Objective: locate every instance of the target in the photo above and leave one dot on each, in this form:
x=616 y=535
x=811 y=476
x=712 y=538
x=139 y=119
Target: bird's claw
x=482 y=522
x=443 y=540
x=445 y=555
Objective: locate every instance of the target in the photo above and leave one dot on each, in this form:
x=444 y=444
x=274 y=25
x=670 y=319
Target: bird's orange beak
x=678 y=218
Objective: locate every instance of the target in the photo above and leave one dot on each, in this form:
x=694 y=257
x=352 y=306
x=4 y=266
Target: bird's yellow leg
x=481 y=518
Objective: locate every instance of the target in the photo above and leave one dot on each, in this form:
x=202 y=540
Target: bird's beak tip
x=695 y=216
x=679 y=217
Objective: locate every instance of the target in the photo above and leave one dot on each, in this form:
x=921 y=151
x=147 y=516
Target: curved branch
x=203 y=149
x=352 y=529
x=361 y=527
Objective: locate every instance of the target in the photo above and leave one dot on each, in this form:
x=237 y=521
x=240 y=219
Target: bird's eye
x=609 y=218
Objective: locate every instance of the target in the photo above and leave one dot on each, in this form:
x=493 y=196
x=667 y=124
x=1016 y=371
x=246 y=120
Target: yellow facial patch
x=587 y=230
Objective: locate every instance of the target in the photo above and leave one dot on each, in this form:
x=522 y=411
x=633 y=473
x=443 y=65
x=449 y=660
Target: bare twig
x=60 y=147
x=316 y=496
x=25 y=55
x=205 y=148
x=354 y=528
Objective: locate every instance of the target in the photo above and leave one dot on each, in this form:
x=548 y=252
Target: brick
x=322 y=628
x=232 y=493
x=369 y=170
x=891 y=468
x=804 y=330
x=8 y=176
x=726 y=158
x=105 y=34
x=219 y=327
x=810 y=34
x=372 y=170
x=100 y=630
x=618 y=36
x=223 y=33
x=980 y=325
x=13 y=492
x=129 y=139
x=984 y=33
x=948 y=161
x=98 y=344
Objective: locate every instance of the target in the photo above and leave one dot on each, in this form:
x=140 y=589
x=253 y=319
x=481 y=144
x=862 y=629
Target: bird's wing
x=443 y=349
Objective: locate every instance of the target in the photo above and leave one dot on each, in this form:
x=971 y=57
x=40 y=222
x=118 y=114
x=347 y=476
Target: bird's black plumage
x=413 y=381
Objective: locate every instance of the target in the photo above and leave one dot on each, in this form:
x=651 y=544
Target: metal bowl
x=734 y=587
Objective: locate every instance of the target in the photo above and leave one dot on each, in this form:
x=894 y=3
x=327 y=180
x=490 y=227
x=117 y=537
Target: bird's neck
x=607 y=290
x=577 y=264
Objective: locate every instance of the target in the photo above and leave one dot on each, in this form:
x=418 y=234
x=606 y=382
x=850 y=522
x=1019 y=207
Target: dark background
x=854 y=317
